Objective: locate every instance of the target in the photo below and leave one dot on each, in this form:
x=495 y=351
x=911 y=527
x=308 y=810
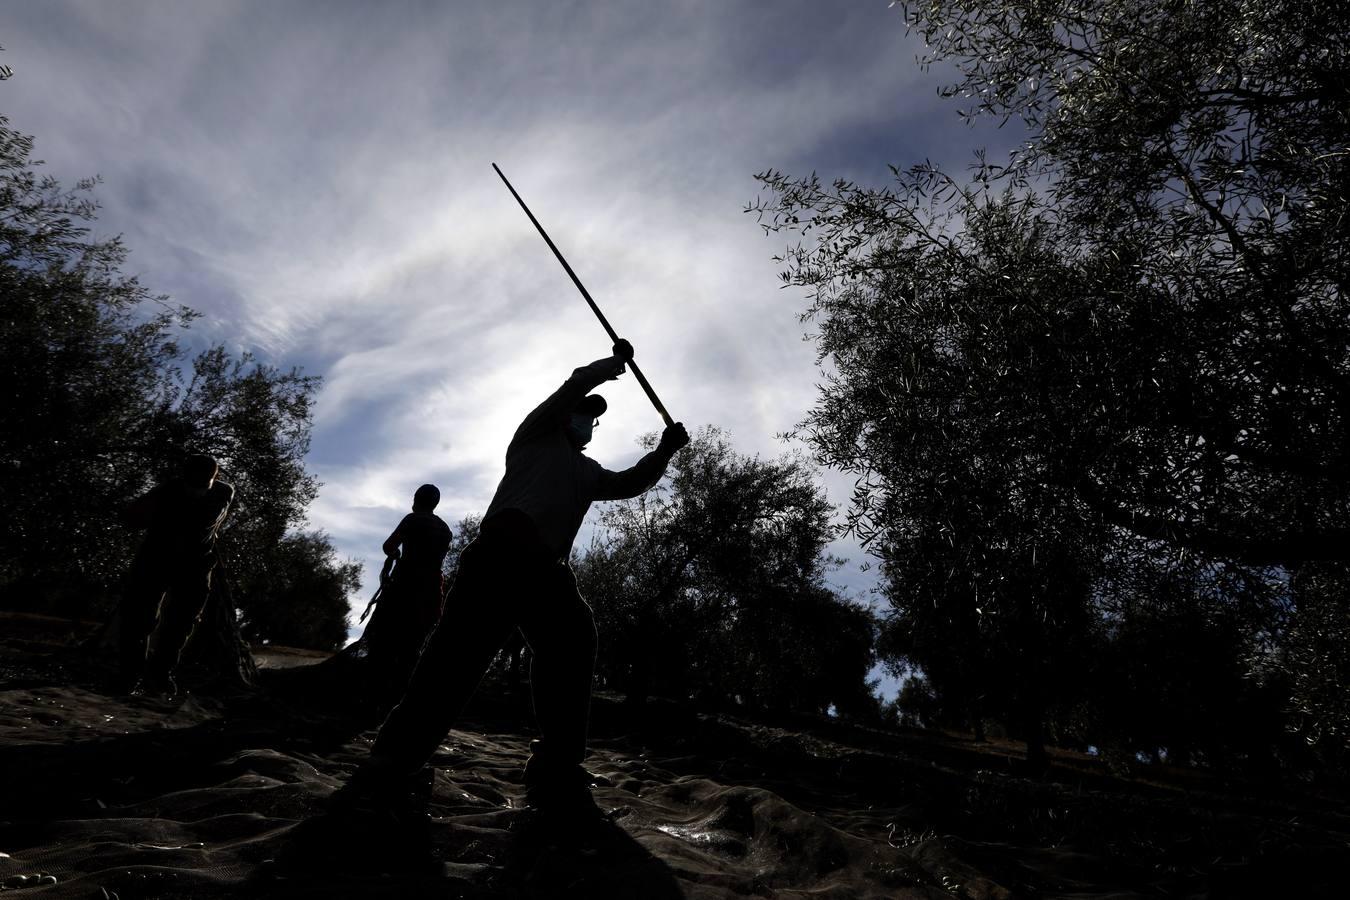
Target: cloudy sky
x=314 y=177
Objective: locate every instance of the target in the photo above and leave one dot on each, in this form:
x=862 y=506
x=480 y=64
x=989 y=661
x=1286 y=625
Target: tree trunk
x=639 y=681
x=1034 y=723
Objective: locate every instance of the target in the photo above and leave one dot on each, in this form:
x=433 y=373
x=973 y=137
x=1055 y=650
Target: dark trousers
x=164 y=596
x=505 y=581
x=408 y=610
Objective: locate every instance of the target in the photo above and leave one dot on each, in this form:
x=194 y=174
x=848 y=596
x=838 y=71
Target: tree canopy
x=98 y=404
x=1118 y=357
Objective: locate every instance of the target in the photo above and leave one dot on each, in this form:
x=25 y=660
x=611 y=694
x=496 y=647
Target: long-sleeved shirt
x=425 y=538
x=553 y=482
x=179 y=522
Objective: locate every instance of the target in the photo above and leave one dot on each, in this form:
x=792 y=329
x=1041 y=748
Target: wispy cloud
x=314 y=178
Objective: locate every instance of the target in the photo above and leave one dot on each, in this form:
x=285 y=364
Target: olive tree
x=100 y=401
x=1131 y=333
x=711 y=586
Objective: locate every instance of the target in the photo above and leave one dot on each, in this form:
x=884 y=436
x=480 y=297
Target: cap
x=200 y=468
x=591 y=405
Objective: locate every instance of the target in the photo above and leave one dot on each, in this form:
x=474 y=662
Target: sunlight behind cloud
x=319 y=187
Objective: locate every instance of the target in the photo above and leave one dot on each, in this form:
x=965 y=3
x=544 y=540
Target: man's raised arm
x=646 y=472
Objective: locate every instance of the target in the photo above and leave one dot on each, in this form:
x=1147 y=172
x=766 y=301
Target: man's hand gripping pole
x=637 y=373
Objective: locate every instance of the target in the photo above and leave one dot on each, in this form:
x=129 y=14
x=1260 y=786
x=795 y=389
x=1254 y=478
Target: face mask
x=580 y=428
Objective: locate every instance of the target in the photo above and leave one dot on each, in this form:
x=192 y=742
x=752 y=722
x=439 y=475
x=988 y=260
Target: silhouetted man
x=170 y=577
x=409 y=604
x=515 y=575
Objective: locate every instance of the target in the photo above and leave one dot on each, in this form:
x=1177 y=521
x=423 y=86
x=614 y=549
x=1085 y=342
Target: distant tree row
x=100 y=401
x=1097 y=396
x=711 y=587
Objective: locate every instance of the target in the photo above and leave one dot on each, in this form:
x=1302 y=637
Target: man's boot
x=386 y=812
x=156 y=686
x=555 y=787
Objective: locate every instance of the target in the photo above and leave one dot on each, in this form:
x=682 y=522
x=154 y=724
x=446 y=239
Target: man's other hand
x=673 y=438
x=623 y=350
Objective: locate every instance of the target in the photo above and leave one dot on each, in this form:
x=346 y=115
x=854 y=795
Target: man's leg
x=141 y=598
x=411 y=625
x=475 y=624
x=560 y=629
x=178 y=616
x=386 y=650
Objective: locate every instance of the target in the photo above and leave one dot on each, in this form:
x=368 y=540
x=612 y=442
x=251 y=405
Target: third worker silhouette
x=170 y=578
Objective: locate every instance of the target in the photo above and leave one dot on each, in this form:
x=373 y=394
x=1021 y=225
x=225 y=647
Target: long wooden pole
x=637 y=373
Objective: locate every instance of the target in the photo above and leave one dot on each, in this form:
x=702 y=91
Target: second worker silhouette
x=409 y=600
